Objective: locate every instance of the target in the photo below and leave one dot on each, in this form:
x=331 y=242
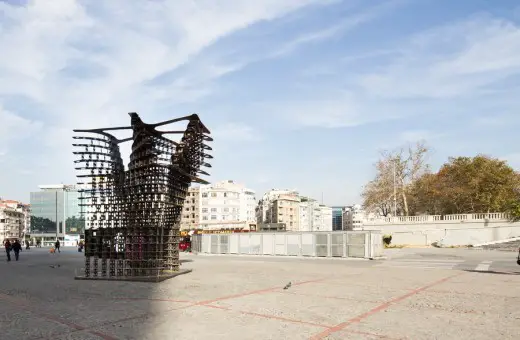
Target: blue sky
x=299 y=94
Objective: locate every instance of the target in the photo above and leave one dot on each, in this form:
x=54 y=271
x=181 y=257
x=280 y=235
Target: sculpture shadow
x=493 y=272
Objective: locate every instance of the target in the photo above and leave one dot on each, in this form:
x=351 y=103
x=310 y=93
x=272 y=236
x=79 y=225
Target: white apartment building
x=354 y=218
x=12 y=221
x=227 y=205
x=314 y=216
x=325 y=218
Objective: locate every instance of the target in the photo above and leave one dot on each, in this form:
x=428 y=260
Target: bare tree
x=378 y=193
x=396 y=171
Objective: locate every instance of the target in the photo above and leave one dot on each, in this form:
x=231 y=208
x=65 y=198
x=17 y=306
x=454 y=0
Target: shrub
x=387 y=239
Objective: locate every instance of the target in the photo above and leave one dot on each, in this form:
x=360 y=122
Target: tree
x=469 y=185
x=424 y=196
x=407 y=165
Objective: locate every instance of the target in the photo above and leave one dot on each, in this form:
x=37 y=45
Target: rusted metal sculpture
x=133 y=216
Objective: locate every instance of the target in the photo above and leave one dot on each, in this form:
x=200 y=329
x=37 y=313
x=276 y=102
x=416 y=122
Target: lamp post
x=395 y=190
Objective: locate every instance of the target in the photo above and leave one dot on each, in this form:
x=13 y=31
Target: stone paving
x=243 y=298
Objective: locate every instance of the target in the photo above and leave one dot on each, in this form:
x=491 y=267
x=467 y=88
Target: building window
x=213 y=194
x=204 y=210
x=225 y=194
x=213 y=217
x=226 y=209
x=213 y=209
x=205 y=218
x=204 y=194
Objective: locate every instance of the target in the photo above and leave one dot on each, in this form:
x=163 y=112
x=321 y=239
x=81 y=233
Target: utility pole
x=395 y=191
x=57 y=223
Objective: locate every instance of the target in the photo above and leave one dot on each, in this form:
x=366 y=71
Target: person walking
x=57 y=246
x=27 y=246
x=7 y=245
x=16 y=248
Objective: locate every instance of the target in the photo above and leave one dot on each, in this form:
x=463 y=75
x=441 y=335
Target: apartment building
x=23 y=208
x=227 y=205
x=190 y=218
x=294 y=212
x=285 y=209
x=314 y=216
x=12 y=220
x=263 y=207
x=353 y=217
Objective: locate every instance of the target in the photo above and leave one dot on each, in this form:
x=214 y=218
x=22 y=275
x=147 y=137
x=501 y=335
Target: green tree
x=472 y=185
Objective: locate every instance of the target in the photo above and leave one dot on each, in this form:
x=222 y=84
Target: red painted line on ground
x=266 y=316
x=361 y=317
x=146 y=299
x=281 y=318
x=330 y=297
x=260 y=291
x=25 y=306
x=379 y=336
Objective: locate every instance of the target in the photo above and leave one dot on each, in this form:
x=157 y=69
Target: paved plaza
x=233 y=297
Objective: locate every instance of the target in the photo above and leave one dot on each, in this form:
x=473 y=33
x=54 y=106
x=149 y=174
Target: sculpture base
x=160 y=278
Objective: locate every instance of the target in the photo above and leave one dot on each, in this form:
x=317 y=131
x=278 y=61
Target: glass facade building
x=337 y=218
x=56 y=213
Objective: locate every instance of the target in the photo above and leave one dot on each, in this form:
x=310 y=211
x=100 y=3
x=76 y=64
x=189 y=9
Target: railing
x=439 y=218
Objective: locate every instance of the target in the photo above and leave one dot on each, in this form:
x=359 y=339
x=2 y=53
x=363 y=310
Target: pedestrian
x=27 y=247
x=57 y=246
x=16 y=248
x=7 y=245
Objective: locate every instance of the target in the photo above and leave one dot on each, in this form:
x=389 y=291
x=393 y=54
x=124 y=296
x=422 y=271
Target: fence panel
x=224 y=244
x=337 y=244
x=234 y=244
x=322 y=244
x=279 y=244
x=255 y=242
x=268 y=244
x=361 y=244
x=308 y=248
x=356 y=244
x=293 y=244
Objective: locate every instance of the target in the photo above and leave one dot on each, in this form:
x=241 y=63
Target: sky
x=298 y=94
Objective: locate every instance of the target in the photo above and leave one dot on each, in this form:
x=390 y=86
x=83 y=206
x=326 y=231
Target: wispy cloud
x=443 y=66
x=450 y=61
x=336 y=30
x=236 y=132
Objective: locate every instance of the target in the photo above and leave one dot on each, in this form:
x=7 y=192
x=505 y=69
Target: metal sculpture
x=133 y=216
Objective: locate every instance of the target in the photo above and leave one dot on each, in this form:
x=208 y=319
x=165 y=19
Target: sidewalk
x=241 y=298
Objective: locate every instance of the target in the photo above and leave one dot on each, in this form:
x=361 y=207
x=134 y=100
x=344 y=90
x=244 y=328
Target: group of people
x=16 y=247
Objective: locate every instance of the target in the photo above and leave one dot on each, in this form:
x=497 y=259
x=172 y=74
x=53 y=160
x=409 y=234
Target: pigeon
x=54 y=266
x=287 y=286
